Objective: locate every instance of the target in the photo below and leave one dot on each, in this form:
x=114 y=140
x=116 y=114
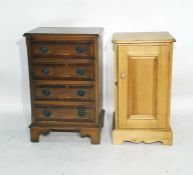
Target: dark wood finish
x=36 y=131
x=57 y=49
x=64 y=113
x=72 y=71
x=90 y=31
x=93 y=133
x=65 y=71
x=64 y=92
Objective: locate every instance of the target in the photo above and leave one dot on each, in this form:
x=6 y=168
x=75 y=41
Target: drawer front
x=67 y=92
x=54 y=49
x=64 y=113
x=64 y=71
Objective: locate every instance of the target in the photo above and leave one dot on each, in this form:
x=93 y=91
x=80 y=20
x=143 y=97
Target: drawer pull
x=80 y=71
x=46 y=92
x=45 y=71
x=79 y=49
x=81 y=112
x=43 y=50
x=47 y=113
x=80 y=93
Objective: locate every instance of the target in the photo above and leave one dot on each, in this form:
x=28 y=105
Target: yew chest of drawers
x=65 y=70
x=143 y=63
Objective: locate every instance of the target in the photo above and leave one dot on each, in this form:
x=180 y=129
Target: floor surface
x=68 y=154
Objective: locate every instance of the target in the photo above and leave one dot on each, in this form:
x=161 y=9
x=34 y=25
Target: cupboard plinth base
x=142 y=135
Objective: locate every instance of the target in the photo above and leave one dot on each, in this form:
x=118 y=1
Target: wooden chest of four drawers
x=65 y=69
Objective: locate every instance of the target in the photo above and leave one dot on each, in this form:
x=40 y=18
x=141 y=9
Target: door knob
x=122 y=75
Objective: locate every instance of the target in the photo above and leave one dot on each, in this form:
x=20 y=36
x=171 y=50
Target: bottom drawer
x=64 y=113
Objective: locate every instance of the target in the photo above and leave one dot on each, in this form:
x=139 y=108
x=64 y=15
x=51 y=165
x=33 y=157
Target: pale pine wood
x=170 y=80
x=143 y=37
x=141 y=71
x=116 y=80
x=139 y=91
x=143 y=135
x=142 y=88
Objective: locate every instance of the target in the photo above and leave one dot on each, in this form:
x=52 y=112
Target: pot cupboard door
x=143 y=86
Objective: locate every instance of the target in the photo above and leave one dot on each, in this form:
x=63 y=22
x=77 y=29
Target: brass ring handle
x=123 y=75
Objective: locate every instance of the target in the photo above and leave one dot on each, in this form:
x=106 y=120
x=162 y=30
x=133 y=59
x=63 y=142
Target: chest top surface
x=142 y=37
x=65 y=31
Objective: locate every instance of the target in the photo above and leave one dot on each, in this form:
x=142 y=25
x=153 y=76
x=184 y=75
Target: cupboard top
x=65 y=31
x=142 y=37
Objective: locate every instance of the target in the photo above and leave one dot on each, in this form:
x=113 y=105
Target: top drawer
x=61 y=49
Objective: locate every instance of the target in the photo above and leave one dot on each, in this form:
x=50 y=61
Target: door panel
x=142 y=83
x=142 y=91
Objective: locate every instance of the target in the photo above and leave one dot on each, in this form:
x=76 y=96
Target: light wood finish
x=65 y=68
x=143 y=135
x=142 y=37
x=142 y=87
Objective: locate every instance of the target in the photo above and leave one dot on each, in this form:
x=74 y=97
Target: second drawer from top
x=66 y=71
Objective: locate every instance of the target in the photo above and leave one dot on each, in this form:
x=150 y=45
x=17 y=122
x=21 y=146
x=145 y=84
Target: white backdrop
x=17 y=17
x=69 y=154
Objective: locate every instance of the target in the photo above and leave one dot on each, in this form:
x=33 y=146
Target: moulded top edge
x=65 y=31
x=142 y=37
